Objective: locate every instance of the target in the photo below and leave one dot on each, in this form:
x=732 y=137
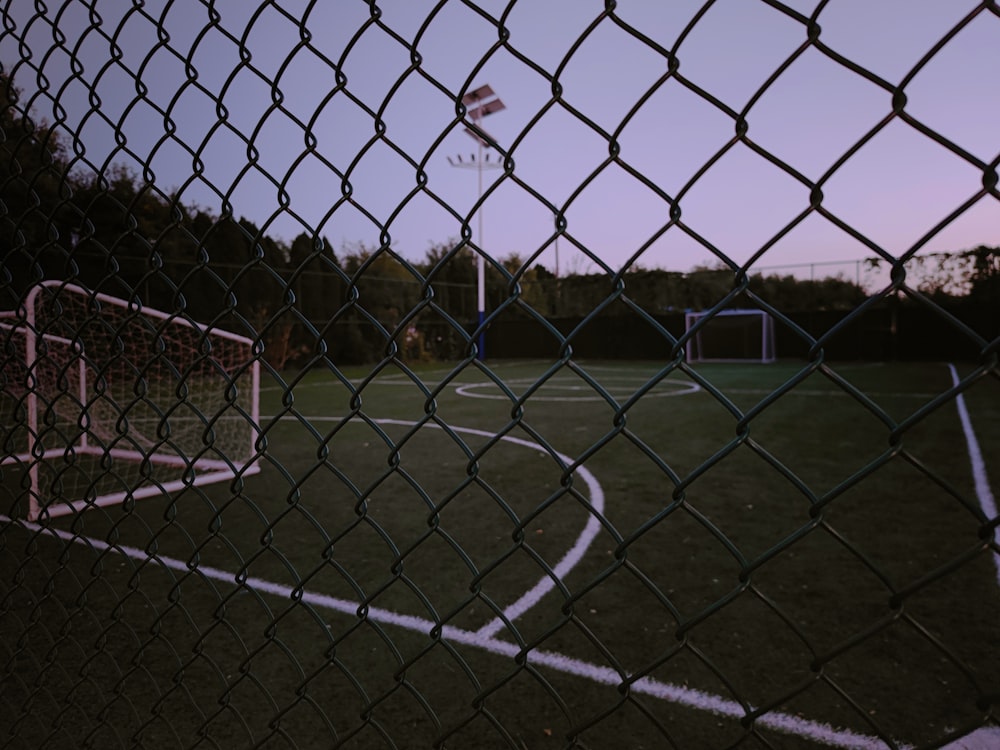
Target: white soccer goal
x=104 y=402
x=730 y=336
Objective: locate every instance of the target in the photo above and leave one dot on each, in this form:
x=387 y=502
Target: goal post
x=103 y=401
x=730 y=336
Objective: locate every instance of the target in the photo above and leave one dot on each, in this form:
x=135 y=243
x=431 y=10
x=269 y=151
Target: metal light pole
x=479 y=103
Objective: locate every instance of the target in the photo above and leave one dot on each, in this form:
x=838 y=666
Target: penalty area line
x=684 y=696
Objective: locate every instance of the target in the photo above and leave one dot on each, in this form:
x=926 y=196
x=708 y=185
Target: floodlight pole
x=481 y=102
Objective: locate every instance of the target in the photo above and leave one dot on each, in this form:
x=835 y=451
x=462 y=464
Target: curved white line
x=468 y=390
x=568 y=561
x=532 y=596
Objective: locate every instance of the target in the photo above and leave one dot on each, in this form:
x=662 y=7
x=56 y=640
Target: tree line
x=116 y=232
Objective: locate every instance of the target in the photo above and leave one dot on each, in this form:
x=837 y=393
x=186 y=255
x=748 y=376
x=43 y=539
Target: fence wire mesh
x=262 y=490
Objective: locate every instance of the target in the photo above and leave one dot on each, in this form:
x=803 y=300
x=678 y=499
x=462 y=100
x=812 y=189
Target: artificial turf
x=787 y=556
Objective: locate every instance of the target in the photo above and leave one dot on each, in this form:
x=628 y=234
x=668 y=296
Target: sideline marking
x=684 y=696
x=979 y=477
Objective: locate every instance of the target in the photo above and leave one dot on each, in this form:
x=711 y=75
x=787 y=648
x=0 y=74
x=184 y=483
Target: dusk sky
x=894 y=190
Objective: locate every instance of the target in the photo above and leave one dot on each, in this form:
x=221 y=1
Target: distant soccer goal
x=105 y=402
x=730 y=336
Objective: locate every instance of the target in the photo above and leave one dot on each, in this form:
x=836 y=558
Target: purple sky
x=894 y=190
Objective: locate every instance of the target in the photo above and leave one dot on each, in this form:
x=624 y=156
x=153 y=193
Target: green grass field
x=514 y=557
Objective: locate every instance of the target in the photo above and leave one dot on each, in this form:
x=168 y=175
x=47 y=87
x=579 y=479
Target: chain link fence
x=263 y=489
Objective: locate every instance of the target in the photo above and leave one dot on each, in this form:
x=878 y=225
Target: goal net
x=105 y=402
x=730 y=336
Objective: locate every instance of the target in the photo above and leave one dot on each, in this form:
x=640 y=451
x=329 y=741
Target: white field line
x=688 y=697
x=979 y=477
x=574 y=385
x=572 y=557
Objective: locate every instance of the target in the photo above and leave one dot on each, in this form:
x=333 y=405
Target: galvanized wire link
x=260 y=489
